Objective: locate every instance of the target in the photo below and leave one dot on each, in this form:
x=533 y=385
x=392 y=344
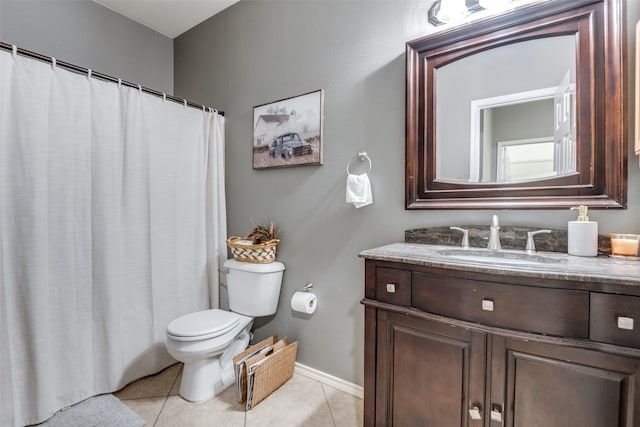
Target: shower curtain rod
x=82 y=70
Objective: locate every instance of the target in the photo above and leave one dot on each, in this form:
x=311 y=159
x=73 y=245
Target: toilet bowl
x=206 y=341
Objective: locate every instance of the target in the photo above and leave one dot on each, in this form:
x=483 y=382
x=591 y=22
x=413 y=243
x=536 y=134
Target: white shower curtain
x=112 y=223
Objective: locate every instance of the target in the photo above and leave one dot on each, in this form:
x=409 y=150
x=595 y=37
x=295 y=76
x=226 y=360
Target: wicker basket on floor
x=272 y=362
x=275 y=371
x=246 y=251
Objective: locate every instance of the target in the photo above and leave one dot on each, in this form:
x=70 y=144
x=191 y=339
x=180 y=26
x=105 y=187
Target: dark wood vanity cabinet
x=447 y=348
x=423 y=370
x=552 y=385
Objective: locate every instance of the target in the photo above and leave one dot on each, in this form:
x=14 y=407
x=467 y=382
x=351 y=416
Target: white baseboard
x=330 y=380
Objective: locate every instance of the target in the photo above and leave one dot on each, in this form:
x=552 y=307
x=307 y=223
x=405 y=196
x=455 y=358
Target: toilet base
x=202 y=379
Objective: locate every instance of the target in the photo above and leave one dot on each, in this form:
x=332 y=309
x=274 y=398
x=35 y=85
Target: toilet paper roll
x=304 y=302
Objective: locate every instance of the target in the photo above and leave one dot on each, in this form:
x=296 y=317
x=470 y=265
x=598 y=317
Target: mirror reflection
x=508 y=113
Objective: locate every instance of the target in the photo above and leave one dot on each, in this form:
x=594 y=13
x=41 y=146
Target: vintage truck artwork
x=288 y=145
x=288 y=132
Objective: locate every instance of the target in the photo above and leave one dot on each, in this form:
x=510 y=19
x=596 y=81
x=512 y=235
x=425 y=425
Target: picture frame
x=289 y=132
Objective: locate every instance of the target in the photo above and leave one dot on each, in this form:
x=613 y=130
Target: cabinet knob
x=496 y=413
x=391 y=288
x=625 y=323
x=487 y=305
x=474 y=413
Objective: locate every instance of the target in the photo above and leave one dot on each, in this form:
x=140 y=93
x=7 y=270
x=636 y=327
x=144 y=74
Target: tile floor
x=301 y=401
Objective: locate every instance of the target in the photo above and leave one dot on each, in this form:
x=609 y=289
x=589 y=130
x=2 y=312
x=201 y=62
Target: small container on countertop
x=582 y=234
x=625 y=244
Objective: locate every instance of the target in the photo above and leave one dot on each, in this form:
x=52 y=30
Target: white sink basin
x=486 y=256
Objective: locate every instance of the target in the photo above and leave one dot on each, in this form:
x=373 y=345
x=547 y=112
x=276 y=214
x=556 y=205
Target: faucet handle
x=531 y=245
x=465 y=236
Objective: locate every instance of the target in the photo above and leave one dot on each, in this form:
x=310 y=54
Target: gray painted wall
x=87 y=34
x=256 y=52
x=521 y=121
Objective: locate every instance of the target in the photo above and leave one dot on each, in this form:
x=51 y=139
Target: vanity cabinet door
x=555 y=386
x=428 y=373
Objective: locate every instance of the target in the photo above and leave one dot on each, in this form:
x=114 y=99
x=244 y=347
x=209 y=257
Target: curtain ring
x=362 y=156
x=119 y=83
x=53 y=63
x=204 y=109
x=139 y=88
x=14 y=50
x=164 y=96
x=184 y=102
x=88 y=73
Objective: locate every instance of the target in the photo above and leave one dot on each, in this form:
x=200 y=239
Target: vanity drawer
x=541 y=310
x=615 y=319
x=393 y=286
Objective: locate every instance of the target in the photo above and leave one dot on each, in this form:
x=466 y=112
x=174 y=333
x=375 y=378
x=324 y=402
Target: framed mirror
x=520 y=111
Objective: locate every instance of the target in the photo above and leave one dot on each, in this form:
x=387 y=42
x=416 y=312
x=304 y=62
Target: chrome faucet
x=531 y=245
x=465 y=236
x=494 y=234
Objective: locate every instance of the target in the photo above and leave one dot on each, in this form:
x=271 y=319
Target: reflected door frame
x=477 y=107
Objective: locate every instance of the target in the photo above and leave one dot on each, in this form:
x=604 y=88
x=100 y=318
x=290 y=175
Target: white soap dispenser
x=582 y=234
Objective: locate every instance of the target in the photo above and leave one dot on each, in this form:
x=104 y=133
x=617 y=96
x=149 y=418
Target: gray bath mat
x=99 y=411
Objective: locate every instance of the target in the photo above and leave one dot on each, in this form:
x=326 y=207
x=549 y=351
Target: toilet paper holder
x=304 y=301
x=307 y=287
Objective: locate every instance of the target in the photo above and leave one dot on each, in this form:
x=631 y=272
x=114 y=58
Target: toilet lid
x=203 y=324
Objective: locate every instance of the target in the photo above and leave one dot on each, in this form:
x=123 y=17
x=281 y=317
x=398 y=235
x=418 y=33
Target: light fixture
x=492 y=4
x=447 y=11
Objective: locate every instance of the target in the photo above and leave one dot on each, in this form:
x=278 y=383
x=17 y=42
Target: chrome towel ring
x=363 y=156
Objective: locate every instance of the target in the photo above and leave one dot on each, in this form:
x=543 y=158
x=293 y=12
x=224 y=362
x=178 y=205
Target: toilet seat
x=202 y=325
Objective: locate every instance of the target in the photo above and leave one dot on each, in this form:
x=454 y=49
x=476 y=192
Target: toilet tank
x=254 y=289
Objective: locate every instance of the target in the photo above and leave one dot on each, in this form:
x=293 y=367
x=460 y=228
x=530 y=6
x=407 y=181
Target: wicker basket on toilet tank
x=258 y=247
x=245 y=250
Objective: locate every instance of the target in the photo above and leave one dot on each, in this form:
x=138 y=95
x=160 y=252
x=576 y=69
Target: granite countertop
x=602 y=269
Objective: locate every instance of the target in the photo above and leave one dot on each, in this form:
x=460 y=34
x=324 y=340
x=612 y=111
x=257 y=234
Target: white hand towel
x=359 y=190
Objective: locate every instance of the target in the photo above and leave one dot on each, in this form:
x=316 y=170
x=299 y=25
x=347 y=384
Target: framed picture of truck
x=288 y=132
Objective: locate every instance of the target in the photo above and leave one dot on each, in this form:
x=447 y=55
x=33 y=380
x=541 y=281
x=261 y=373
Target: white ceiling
x=168 y=17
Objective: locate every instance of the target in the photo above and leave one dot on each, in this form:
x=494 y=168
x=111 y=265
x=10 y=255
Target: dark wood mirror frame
x=601 y=108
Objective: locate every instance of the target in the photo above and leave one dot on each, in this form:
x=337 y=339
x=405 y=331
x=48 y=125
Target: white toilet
x=206 y=341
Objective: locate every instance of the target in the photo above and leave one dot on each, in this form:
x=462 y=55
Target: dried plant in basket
x=258 y=247
x=263 y=233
